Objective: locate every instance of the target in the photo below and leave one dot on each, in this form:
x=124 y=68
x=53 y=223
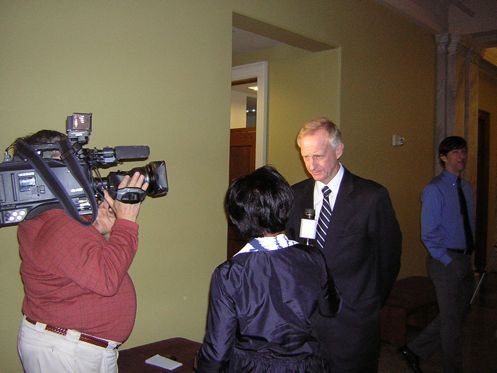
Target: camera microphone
x=127 y=153
x=308 y=226
x=108 y=157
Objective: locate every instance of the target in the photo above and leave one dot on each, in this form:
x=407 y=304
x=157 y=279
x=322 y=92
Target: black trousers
x=454 y=285
x=352 y=338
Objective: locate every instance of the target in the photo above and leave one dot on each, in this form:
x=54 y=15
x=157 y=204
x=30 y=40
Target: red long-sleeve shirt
x=76 y=279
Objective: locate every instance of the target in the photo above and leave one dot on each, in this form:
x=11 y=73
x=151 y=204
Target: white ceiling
x=475 y=20
x=463 y=17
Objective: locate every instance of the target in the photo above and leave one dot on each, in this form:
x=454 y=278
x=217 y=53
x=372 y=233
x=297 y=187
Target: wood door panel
x=242 y=162
x=242 y=152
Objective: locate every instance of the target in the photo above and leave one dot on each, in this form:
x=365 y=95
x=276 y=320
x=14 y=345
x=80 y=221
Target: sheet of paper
x=163 y=362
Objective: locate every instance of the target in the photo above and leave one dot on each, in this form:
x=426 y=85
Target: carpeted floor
x=480 y=348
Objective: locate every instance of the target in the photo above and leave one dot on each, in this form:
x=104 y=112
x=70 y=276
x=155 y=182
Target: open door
x=247 y=130
x=242 y=162
x=483 y=179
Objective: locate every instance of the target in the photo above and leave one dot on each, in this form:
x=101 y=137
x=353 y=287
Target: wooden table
x=132 y=360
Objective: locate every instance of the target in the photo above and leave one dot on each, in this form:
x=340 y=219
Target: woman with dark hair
x=264 y=301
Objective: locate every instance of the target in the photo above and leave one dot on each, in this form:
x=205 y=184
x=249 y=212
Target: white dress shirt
x=334 y=186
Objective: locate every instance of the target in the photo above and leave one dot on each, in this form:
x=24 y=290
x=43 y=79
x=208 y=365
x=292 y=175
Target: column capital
x=454 y=44
x=441 y=40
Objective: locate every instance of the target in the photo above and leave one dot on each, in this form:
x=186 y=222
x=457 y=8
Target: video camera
x=38 y=177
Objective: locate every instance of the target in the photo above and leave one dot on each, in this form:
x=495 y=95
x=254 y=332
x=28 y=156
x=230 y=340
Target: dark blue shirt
x=442 y=224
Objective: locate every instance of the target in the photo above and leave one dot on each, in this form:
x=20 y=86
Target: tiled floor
x=480 y=349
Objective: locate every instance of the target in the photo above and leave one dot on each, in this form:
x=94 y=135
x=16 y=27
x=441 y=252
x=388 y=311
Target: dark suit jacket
x=362 y=251
x=363 y=243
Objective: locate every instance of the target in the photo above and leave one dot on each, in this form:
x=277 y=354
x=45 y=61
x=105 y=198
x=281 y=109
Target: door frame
x=482 y=190
x=257 y=70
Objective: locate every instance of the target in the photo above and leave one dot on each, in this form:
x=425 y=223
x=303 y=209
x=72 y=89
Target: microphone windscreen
x=124 y=153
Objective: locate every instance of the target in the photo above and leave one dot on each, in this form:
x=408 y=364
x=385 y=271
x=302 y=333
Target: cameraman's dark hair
x=41 y=137
x=259 y=202
x=450 y=143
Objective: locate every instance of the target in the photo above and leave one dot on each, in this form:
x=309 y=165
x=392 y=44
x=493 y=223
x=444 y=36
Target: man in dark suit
x=361 y=243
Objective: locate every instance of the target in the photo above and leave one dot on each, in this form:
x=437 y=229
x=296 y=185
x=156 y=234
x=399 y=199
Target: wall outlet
x=398 y=140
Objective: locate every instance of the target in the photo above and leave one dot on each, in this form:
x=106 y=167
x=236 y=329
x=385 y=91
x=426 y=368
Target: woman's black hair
x=259 y=202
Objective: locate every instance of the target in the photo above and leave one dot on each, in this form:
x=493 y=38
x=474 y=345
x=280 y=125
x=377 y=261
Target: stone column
x=441 y=95
x=452 y=84
x=457 y=91
x=470 y=121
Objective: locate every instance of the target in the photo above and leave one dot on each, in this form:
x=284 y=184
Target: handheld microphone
x=308 y=226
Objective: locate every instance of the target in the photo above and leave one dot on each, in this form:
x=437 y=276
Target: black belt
x=460 y=251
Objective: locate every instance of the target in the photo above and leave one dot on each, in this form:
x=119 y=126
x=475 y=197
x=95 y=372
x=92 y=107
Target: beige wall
x=138 y=67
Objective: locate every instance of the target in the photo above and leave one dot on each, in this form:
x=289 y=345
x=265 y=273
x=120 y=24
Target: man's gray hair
x=334 y=134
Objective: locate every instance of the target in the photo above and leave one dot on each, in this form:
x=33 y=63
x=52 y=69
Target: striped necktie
x=324 y=218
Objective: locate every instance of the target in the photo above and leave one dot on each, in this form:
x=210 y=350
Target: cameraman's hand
x=105 y=218
x=126 y=210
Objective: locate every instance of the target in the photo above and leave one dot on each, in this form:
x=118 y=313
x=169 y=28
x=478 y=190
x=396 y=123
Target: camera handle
x=35 y=160
x=130 y=195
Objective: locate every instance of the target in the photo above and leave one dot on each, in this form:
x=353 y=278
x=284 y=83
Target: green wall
x=152 y=72
x=157 y=72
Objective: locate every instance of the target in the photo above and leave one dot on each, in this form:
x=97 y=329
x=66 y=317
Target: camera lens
x=155 y=175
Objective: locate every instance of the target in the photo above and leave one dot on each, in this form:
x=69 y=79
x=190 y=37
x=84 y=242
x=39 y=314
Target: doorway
x=482 y=185
x=247 y=130
x=257 y=72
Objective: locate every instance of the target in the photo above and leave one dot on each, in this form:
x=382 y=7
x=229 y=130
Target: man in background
x=79 y=303
x=447 y=226
x=360 y=238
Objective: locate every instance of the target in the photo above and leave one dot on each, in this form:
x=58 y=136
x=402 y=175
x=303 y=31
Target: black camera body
x=25 y=190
